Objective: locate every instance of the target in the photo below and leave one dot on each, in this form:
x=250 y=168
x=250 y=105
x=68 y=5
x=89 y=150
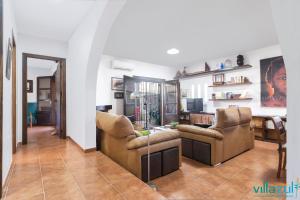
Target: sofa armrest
x=201 y=131
x=154 y=138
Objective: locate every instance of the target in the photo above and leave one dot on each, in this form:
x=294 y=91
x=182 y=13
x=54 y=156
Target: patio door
x=171 y=101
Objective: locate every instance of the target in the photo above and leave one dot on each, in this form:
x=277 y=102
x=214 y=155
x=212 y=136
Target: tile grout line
x=66 y=166
x=9 y=179
x=114 y=187
x=111 y=184
x=42 y=180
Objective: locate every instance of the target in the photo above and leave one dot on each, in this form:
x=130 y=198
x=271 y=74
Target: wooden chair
x=281 y=140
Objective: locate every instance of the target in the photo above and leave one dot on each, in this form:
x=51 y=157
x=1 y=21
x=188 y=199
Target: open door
x=57 y=102
x=60 y=99
x=171 y=101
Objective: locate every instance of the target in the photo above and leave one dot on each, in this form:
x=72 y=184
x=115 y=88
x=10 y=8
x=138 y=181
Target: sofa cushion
x=245 y=115
x=200 y=131
x=116 y=125
x=158 y=137
x=227 y=117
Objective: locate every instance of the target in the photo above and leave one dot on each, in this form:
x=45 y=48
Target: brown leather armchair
x=120 y=143
x=230 y=136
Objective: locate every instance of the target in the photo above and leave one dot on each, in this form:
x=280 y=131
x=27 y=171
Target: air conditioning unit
x=122 y=65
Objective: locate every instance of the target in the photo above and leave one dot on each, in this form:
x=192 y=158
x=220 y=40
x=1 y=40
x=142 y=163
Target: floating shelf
x=195 y=74
x=241 y=99
x=230 y=84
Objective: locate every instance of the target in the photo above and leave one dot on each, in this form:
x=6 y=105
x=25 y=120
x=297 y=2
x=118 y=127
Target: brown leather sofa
x=120 y=142
x=230 y=136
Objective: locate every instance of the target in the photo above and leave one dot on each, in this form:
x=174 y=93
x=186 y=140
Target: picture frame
x=8 y=60
x=29 y=86
x=273 y=78
x=119 y=95
x=117 y=84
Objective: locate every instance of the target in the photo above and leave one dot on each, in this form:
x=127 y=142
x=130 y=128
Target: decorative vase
x=240 y=60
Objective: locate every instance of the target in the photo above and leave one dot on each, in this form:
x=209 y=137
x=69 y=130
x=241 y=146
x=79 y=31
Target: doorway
x=44 y=94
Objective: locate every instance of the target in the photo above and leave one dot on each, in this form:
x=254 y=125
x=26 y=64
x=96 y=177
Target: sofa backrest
x=117 y=126
x=230 y=117
x=234 y=124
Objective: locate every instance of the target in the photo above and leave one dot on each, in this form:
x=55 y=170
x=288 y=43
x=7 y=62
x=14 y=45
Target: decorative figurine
x=207 y=67
x=178 y=75
x=184 y=71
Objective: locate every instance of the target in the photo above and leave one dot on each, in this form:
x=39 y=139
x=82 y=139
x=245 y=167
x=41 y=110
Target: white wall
x=34 y=45
x=105 y=96
x=9 y=26
x=286 y=17
x=32 y=74
x=253 y=58
x=85 y=49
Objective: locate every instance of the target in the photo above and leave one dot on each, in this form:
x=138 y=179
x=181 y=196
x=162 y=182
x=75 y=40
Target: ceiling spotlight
x=173 y=51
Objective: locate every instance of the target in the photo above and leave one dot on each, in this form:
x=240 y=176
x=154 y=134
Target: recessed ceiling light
x=173 y=51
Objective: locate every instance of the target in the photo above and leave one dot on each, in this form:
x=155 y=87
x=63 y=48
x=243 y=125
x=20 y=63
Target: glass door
x=171 y=101
x=142 y=100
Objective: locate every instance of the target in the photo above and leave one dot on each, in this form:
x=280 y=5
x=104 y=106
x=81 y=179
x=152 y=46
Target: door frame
x=1 y=93
x=14 y=94
x=62 y=61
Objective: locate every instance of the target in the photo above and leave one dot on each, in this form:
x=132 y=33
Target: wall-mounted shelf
x=195 y=74
x=241 y=99
x=231 y=84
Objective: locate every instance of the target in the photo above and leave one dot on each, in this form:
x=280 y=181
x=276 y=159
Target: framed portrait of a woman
x=273 y=82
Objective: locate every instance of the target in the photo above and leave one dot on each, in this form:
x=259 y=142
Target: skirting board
x=84 y=150
x=19 y=144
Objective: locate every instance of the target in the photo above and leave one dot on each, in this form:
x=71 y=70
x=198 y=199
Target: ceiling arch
x=199 y=29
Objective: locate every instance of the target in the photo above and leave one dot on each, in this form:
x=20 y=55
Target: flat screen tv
x=194 y=105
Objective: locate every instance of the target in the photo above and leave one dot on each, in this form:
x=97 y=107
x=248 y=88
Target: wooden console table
x=261 y=131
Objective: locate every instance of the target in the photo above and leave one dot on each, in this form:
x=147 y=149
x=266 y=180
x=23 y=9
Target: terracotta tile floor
x=50 y=168
x=232 y=180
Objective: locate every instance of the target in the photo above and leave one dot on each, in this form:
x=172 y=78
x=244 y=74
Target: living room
x=242 y=84
x=191 y=99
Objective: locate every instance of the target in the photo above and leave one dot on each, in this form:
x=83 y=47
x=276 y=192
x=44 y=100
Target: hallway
x=51 y=168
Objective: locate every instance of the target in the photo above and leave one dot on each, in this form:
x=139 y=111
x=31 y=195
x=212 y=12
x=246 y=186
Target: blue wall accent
x=32 y=108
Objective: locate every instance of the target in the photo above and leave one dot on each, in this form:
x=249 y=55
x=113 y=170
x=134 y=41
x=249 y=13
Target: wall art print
x=273 y=82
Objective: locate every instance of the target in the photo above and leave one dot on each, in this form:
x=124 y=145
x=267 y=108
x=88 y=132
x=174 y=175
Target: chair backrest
x=280 y=130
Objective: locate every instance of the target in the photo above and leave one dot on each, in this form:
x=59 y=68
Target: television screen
x=195 y=105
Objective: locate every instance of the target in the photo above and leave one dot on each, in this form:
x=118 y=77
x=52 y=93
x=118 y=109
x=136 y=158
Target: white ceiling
x=52 y=19
x=41 y=64
x=200 y=29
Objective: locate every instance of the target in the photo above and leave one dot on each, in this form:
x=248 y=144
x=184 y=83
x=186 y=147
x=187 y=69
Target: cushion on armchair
x=118 y=126
x=201 y=131
x=154 y=139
